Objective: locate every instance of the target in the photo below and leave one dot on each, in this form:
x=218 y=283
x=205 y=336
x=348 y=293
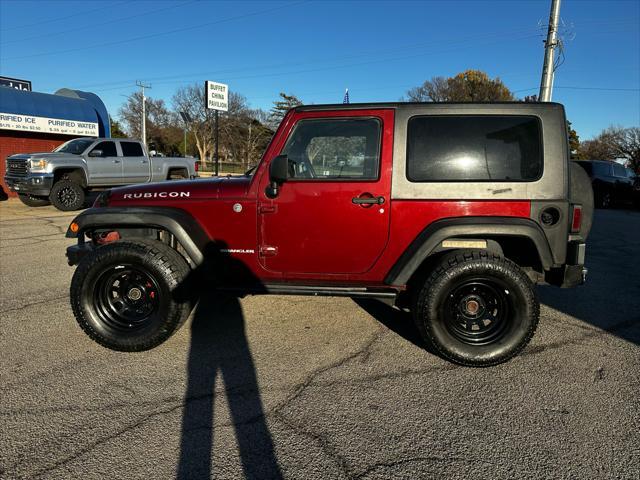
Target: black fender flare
x=428 y=241
x=188 y=232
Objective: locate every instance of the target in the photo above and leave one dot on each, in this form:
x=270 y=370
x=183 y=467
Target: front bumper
x=76 y=252
x=36 y=184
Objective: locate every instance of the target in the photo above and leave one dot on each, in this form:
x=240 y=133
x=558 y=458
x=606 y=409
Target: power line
x=376 y=53
x=102 y=24
x=312 y=70
x=159 y=34
x=51 y=20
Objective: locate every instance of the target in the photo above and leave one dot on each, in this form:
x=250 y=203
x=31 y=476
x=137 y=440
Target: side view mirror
x=278 y=170
x=95 y=153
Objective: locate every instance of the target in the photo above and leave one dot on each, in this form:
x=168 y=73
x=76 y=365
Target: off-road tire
x=31 y=201
x=67 y=195
x=167 y=269
x=520 y=308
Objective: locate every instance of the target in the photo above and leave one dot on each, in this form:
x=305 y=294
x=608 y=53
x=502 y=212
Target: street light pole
x=546 y=83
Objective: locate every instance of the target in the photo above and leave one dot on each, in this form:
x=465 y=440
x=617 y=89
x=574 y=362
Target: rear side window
x=603 y=169
x=474 y=148
x=131 y=149
x=619 y=170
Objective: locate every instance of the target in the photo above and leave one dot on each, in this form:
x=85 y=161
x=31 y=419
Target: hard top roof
x=396 y=105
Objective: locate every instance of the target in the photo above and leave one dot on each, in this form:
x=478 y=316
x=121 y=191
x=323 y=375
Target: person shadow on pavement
x=219 y=351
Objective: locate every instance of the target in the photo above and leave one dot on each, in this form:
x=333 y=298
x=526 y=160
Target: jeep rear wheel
x=31 y=201
x=67 y=195
x=477 y=309
x=122 y=294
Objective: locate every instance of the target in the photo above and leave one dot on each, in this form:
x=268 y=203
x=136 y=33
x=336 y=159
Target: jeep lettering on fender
x=454 y=211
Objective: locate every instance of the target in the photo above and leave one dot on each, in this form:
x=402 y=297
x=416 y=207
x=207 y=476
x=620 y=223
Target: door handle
x=362 y=200
x=144 y=161
x=116 y=161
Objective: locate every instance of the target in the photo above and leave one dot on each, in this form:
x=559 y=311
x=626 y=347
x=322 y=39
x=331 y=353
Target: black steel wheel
x=476 y=311
x=31 y=201
x=122 y=294
x=476 y=308
x=126 y=297
x=67 y=195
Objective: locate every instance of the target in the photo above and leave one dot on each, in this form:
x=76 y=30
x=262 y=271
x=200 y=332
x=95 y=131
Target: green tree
x=281 y=107
x=468 y=86
x=116 y=129
x=574 y=141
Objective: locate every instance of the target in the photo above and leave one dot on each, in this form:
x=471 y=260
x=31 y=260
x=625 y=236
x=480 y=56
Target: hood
x=45 y=155
x=183 y=190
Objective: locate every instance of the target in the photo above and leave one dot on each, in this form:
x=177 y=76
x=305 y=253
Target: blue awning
x=65 y=105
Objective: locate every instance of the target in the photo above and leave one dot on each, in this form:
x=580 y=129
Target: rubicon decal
x=157 y=195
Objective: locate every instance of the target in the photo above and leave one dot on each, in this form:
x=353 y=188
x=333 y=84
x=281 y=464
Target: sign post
x=217 y=98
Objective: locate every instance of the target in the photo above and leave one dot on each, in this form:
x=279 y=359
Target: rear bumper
x=36 y=184
x=572 y=274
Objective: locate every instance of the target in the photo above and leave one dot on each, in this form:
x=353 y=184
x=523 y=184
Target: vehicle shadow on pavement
x=610 y=299
x=219 y=351
x=397 y=320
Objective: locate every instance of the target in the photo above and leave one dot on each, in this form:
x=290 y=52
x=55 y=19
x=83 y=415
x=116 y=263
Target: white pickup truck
x=63 y=177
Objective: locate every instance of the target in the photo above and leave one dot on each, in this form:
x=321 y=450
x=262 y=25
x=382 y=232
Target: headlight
x=37 y=164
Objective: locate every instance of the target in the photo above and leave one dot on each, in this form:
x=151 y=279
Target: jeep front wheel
x=67 y=195
x=477 y=309
x=122 y=294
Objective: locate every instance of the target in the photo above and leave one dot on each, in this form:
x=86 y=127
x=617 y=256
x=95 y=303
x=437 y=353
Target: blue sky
x=316 y=49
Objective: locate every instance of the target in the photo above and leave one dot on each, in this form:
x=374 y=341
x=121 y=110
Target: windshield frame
x=88 y=142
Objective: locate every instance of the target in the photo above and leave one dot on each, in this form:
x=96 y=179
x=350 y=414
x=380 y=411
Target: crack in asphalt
x=39 y=302
x=592 y=333
x=404 y=461
x=276 y=413
x=323 y=440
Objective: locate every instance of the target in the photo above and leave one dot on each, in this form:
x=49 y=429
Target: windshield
x=75 y=147
x=249 y=172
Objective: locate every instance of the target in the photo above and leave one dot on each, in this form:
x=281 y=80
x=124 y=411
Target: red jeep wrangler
x=452 y=210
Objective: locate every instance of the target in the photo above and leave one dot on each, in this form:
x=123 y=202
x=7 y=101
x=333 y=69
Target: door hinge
x=268 y=251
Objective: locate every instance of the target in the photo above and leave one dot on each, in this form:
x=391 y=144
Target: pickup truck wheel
x=122 y=294
x=477 y=309
x=67 y=195
x=31 y=201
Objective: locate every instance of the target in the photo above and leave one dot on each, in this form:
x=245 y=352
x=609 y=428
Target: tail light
x=197 y=166
x=576 y=218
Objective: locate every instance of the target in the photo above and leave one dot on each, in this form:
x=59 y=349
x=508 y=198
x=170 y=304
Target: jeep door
x=136 y=166
x=105 y=168
x=331 y=216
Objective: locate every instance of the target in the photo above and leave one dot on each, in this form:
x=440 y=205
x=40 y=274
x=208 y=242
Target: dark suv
x=455 y=211
x=613 y=184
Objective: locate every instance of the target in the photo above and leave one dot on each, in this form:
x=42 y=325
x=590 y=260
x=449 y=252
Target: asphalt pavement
x=314 y=388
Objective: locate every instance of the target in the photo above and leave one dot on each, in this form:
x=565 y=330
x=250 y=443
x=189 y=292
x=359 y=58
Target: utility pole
x=546 y=83
x=144 y=113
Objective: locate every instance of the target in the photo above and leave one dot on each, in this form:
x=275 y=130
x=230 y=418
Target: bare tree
x=626 y=144
x=163 y=131
x=434 y=90
x=190 y=99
